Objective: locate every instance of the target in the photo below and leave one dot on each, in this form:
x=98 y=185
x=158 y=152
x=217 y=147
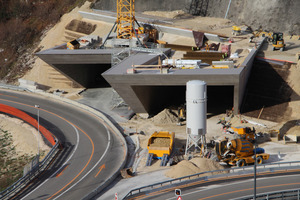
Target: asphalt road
x=92 y=150
x=226 y=189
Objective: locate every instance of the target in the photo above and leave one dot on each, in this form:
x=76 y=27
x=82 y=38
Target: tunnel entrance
x=157 y=98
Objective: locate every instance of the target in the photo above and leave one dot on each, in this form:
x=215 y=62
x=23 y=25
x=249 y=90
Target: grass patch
x=11 y=166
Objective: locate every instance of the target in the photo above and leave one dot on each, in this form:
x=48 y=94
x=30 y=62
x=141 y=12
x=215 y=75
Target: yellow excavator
x=278 y=41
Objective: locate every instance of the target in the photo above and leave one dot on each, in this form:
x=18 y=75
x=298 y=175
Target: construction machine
x=239 y=152
x=243 y=132
x=160 y=146
x=236 y=30
x=278 y=41
x=181 y=115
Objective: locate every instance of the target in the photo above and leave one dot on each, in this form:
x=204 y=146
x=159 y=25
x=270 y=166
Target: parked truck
x=160 y=146
x=239 y=152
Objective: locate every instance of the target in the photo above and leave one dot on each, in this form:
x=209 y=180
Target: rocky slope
x=274 y=15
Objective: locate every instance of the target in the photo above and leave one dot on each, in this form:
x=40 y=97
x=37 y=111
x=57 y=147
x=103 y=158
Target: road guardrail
x=269 y=167
x=19 y=185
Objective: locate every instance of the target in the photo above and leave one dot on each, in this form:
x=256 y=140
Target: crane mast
x=125 y=19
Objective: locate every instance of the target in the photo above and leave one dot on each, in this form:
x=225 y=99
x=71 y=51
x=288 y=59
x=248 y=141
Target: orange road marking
x=61 y=172
x=100 y=169
x=124 y=154
x=92 y=143
x=203 y=181
x=9 y=96
x=249 y=189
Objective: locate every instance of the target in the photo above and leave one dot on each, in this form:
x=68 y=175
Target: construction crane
x=125 y=21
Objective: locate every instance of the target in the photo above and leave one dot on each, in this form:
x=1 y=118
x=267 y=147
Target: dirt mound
x=165 y=117
x=160 y=142
x=194 y=166
x=81 y=26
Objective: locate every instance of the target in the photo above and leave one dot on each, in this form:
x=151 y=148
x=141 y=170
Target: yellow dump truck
x=160 y=146
x=239 y=152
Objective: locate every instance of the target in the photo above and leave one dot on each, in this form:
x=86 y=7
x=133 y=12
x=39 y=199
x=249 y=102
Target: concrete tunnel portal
x=156 y=98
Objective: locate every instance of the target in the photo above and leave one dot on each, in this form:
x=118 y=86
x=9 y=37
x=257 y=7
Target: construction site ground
x=139 y=129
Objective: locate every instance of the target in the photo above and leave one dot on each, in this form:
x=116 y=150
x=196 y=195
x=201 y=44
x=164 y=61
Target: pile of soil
x=81 y=26
x=160 y=142
x=294 y=131
x=193 y=166
x=165 y=117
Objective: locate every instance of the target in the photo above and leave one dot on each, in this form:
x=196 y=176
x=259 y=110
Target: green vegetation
x=21 y=26
x=11 y=166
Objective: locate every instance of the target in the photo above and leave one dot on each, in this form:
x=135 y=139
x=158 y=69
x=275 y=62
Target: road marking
x=203 y=181
x=107 y=147
x=248 y=189
x=62 y=171
x=100 y=169
x=74 y=126
x=77 y=141
x=9 y=96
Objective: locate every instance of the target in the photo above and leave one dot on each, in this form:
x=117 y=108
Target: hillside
x=22 y=24
x=275 y=15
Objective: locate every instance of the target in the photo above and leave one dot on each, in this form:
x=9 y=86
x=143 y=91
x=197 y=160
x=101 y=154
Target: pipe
x=227 y=10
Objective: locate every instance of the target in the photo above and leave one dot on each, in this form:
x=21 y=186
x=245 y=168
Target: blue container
x=258 y=150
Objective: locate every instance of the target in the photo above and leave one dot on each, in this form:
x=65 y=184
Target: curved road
x=225 y=188
x=92 y=150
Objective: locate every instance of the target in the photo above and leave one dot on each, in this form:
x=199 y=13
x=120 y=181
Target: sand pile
x=160 y=142
x=165 y=117
x=24 y=136
x=193 y=166
x=294 y=131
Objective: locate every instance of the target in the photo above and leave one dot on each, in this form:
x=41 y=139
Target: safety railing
x=270 y=167
x=35 y=171
x=285 y=194
x=89 y=109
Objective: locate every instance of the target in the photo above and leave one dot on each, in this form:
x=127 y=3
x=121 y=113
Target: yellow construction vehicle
x=240 y=132
x=239 y=152
x=245 y=133
x=160 y=146
x=261 y=33
x=236 y=30
x=278 y=41
x=181 y=114
x=74 y=44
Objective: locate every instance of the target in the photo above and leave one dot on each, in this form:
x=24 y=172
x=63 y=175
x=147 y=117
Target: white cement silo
x=195 y=112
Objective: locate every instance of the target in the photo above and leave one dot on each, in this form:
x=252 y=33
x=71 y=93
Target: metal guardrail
x=89 y=109
x=219 y=173
x=286 y=194
x=22 y=182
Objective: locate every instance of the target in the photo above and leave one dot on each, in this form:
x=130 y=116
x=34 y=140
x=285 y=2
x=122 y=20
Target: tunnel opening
x=86 y=75
x=157 y=98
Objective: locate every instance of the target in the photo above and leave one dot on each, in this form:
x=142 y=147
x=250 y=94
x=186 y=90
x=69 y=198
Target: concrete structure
x=149 y=91
x=146 y=91
x=83 y=66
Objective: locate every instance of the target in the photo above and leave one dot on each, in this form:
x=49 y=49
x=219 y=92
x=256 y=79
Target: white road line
x=222 y=185
x=107 y=147
x=77 y=142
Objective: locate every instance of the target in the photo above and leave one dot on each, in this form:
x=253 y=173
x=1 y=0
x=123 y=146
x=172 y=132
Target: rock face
x=271 y=15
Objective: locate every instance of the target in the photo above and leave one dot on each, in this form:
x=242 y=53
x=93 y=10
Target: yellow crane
x=125 y=20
